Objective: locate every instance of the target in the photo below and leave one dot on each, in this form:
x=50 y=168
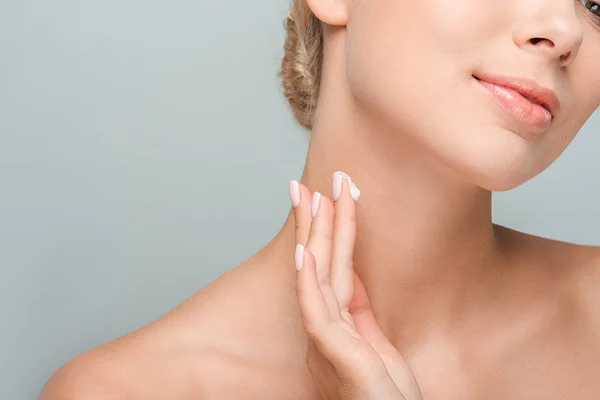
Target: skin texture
x=348 y=354
x=477 y=310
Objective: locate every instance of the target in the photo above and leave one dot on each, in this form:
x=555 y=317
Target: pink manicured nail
x=294 y=193
x=337 y=186
x=315 y=203
x=299 y=256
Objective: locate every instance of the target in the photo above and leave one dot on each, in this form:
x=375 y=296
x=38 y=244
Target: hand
x=348 y=355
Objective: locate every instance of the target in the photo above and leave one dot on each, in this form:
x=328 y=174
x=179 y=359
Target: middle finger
x=320 y=237
x=320 y=242
x=342 y=272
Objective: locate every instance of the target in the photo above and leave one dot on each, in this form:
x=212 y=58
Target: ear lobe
x=331 y=12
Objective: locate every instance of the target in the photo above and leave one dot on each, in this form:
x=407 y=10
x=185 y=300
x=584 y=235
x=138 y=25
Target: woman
x=428 y=107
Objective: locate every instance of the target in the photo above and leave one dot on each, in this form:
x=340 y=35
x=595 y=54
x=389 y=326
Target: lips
x=527 y=88
x=534 y=102
x=527 y=112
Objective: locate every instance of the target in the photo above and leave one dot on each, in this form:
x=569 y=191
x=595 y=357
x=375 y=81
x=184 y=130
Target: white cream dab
x=354 y=192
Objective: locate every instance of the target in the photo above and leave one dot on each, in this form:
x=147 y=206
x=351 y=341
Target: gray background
x=145 y=149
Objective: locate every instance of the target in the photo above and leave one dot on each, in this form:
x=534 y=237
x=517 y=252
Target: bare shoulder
x=562 y=257
x=587 y=285
x=574 y=269
x=148 y=363
x=239 y=334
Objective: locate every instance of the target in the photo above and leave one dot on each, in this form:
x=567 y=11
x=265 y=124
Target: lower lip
x=519 y=107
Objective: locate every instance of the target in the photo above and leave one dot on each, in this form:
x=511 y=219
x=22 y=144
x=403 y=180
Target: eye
x=592 y=6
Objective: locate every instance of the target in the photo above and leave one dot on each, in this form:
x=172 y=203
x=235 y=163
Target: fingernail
x=315 y=203
x=294 y=193
x=299 y=256
x=337 y=186
x=354 y=192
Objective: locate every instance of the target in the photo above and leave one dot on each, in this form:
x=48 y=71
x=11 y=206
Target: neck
x=426 y=248
x=425 y=240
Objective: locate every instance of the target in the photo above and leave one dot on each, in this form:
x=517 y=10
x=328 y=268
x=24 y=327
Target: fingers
x=350 y=337
x=320 y=243
x=331 y=231
x=325 y=236
x=320 y=238
x=348 y=353
x=342 y=271
x=316 y=234
x=314 y=310
x=301 y=201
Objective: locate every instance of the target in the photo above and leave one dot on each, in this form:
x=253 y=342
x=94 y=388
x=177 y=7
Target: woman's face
x=413 y=62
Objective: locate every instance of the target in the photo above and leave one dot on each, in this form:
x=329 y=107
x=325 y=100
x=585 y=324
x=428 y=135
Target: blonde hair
x=300 y=72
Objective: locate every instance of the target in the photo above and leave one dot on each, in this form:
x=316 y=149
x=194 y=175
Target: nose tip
x=553 y=30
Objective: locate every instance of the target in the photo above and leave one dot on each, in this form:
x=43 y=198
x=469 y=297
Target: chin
x=498 y=181
x=488 y=156
x=499 y=161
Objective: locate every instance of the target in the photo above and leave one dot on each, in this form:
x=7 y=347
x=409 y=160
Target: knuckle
x=301 y=229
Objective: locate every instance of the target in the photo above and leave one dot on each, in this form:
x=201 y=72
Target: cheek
x=410 y=65
x=404 y=42
x=418 y=81
x=405 y=58
x=583 y=85
x=391 y=63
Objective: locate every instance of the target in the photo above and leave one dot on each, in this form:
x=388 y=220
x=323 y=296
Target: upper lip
x=547 y=98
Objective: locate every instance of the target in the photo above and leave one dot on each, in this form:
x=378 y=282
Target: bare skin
x=478 y=311
x=241 y=336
